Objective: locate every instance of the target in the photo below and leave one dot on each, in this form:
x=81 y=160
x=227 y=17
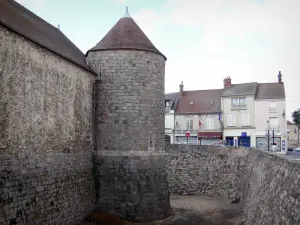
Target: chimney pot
x=279 y=77
x=181 y=88
x=227 y=82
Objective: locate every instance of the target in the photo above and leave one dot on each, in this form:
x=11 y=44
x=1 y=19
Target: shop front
x=262 y=143
x=242 y=140
x=209 y=138
x=238 y=137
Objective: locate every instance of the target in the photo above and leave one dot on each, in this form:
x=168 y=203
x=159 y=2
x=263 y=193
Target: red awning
x=210 y=134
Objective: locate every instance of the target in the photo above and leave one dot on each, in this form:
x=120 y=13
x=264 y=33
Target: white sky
x=248 y=40
x=204 y=40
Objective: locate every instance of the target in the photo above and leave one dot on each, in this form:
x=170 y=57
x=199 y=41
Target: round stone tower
x=130 y=173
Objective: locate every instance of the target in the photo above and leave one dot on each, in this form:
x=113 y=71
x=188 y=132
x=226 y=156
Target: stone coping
x=173 y=148
x=128 y=153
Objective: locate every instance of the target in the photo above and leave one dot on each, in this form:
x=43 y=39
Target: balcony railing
x=180 y=131
x=238 y=107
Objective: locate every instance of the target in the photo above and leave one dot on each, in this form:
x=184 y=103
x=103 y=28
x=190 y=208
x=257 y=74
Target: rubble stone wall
x=131 y=178
x=45 y=135
x=206 y=170
x=265 y=183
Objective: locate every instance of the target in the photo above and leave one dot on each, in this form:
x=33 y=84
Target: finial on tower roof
x=127 y=12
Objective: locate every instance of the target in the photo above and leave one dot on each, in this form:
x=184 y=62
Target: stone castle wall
x=45 y=135
x=273 y=194
x=48 y=169
x=206 y=170
x=129 y=100
x=267 y=185
x=131 y=178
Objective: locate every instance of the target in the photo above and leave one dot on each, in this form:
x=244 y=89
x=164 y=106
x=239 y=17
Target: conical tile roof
x=126 y=34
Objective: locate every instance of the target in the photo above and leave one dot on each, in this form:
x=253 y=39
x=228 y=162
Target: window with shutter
x=231 y=121
x=246 y=120
x=207 y=125
x=210 y=123
x=189 y=124
x=273 y=123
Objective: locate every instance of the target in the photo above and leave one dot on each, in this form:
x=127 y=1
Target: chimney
x=279 y=77
x=181 y=88
x=227 y=82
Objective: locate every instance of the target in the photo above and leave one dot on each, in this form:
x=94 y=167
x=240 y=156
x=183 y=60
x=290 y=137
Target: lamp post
x=297 y=131
x=283 y=130
x=273 y=136
x=268 y=135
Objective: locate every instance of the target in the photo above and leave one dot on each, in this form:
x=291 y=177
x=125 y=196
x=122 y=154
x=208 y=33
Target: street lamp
x=273 y=136
x=268 y=135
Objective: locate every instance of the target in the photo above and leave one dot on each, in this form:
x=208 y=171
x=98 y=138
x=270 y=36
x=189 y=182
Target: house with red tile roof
x=198 y=112
x=270 y=115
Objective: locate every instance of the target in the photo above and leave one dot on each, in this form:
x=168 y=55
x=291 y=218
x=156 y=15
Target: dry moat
x=194 y=210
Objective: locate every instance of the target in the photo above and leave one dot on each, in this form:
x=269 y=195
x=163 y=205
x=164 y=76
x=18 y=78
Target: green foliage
x=296 y=117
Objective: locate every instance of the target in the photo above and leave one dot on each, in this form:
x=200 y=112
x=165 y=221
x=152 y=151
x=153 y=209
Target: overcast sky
x=204 y=40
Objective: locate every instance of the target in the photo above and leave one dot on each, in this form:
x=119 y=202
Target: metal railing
x=237 y=107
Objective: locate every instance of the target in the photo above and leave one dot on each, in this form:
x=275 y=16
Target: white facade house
x=198 y=113
x=170 y=106
x=169 y=123
x=238 y=113
x=205 y=129
x=270 y=108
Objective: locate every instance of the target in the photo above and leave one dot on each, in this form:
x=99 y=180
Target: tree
x=296 y=117
x=296 y=120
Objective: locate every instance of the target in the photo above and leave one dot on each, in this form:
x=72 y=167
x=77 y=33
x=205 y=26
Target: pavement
x=293 y=155
x=195 y=210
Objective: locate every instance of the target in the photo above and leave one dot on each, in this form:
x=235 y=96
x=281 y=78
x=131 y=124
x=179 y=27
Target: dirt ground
x=198 y=210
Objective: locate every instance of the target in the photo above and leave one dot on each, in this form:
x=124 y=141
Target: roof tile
x=270 y=91
x=203 y=101
x=240 y=89
x=126 y=34
x=24 y=22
